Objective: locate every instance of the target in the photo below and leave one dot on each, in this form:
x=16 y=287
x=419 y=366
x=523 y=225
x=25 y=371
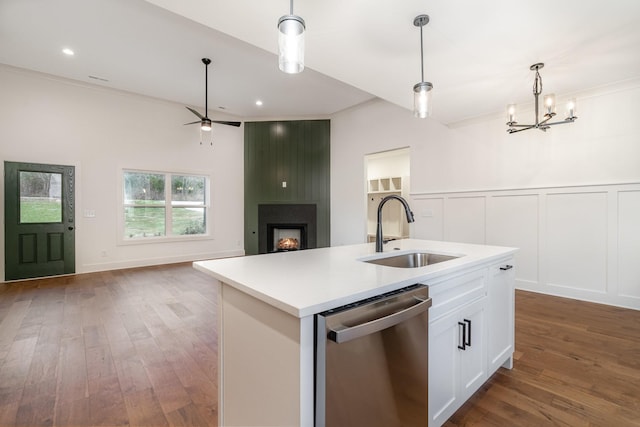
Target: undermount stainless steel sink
x=411 y=260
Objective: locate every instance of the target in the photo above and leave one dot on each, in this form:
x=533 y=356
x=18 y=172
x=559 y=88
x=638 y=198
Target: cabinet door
x=455 y=373
x=473 y=366
x=443 y=368
x=500 y=321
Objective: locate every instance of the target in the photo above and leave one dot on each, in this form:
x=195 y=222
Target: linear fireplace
x=286 y=227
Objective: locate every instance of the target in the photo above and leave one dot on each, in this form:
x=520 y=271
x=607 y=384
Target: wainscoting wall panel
x=464 y=220
x=629 y=243
x=576 y=241
x=430 y=212
x=580 y=242
x=512 y=220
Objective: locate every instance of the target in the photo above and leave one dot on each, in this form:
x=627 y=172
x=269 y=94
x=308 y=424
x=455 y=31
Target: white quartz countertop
x=307 y=282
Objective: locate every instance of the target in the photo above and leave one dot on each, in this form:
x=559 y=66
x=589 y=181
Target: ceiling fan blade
x=195 y=112
x=193 y=123
x=236 y=124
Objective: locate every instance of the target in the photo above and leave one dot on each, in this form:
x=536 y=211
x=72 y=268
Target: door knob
x=70 y=228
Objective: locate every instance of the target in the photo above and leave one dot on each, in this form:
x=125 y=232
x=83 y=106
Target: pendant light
x=422 y=90
x=291 y=42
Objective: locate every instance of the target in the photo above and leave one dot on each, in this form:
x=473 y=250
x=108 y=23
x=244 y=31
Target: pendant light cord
x=291 y=7
x=421 y=55
x=206 y=90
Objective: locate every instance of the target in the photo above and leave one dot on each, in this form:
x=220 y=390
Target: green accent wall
x=295 y=152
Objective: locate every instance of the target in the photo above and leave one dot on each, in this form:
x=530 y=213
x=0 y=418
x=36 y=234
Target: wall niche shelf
x=385 y=185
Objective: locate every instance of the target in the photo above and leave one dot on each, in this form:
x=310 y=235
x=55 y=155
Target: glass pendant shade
x=291 y=44
x=422 y=99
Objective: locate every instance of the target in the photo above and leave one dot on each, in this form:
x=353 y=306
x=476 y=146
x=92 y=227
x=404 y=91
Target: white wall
x=372 y=127
x=100 y=131
x=567 y=198
x=388 y=163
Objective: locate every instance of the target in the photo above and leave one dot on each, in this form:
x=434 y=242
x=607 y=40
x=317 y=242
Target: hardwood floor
x=138 y=347
x=577 y=364
x=129 y=347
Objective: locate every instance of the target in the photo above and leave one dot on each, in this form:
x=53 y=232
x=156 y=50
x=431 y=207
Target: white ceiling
x=477 y=53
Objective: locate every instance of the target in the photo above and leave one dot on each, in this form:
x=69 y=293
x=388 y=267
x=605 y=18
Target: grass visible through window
x=35 y=210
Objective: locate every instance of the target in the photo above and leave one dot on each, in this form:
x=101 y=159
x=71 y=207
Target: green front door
x=39 y=220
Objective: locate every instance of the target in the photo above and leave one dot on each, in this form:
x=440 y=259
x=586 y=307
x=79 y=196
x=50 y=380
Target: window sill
x=163 y=239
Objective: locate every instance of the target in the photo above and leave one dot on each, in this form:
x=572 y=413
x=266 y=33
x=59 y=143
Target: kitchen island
x=267 y=305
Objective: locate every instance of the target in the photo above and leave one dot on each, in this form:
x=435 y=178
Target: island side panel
x=261 y=374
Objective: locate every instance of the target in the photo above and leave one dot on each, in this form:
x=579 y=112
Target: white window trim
x=121 y=241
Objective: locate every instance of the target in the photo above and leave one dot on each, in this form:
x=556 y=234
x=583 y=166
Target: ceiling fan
x=205 y=121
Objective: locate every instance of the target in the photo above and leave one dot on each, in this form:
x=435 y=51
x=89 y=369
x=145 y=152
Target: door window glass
x=40 y=197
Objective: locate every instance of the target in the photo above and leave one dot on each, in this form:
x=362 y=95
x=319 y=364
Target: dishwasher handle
x=373 y=326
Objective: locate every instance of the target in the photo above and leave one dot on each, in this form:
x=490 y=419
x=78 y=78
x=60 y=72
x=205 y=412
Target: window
x=163 y=205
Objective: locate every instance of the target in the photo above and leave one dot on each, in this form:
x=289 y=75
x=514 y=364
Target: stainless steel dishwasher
x=372 y=361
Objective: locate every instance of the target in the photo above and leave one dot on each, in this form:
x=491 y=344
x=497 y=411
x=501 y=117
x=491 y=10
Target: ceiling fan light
x=205 y=125
x=422 y=99
x=291 y=44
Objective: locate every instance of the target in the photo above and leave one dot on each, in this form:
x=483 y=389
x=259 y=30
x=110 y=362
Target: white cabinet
x=471 y=334
x=500 y=318
x=457 y=347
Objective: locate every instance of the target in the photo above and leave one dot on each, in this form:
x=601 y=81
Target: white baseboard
x=147 y=262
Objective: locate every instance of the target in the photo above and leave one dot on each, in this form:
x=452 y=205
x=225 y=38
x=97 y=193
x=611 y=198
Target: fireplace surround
x=296 y=222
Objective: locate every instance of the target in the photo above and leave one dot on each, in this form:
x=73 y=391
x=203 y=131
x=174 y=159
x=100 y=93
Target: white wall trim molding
x=531 y=190
x=578 y=241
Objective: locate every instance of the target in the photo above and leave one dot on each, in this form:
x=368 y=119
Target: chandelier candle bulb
x=511 y=114
x=550 y=105
x=571 y=109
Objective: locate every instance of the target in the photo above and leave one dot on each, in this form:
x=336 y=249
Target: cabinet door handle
x=462 y=336
x=506 y=267
x=467 y=339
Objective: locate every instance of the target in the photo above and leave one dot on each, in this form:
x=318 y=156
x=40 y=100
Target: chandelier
x=548 y=108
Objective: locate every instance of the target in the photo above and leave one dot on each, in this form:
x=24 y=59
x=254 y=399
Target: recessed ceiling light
x=68 y=51
x=259 y=103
